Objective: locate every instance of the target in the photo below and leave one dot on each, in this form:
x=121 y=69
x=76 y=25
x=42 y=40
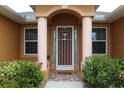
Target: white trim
x=106 y=41
x=76 y=47
x=73 y=47
x=65 y=67
x=56 y=48
x=24 y=52
x=53 y=44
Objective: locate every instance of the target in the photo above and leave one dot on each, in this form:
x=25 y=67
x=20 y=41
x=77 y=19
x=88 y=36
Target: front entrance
x=64 y=48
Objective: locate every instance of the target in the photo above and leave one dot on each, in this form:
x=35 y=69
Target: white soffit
x=21 y=8
x=6 y=11
x=25 y=11
x=107 y=8
x=20 y=17
x=103 y=11
x=116 y=14
x=109 y=17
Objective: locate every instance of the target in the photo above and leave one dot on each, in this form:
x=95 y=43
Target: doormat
x=65 y=73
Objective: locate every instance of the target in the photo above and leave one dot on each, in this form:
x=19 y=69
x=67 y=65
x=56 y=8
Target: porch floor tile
x=58 y=76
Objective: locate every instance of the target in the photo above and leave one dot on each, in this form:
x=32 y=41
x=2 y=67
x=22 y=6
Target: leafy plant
x=20 y=74
x=102 y=71
x=31 y=75
x=121 y=62
x=9 y=84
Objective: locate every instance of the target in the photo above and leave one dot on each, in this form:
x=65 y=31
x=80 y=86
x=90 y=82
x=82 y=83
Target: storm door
x=65 y=48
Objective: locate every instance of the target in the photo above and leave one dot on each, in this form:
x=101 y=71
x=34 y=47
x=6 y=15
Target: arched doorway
x=65 y=33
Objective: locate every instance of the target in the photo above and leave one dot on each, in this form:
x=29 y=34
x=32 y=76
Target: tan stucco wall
x=9 y=39
x=118 y=38
x=22 y=55
x=15 y=32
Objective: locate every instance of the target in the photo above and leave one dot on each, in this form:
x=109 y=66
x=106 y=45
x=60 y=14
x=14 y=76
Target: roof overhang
x=6 y=11
x=113 y=16
x=11 y=14
x=110 y=17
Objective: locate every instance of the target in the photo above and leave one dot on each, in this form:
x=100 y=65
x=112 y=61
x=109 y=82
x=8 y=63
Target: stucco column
x=87 y=37
x=42 y=44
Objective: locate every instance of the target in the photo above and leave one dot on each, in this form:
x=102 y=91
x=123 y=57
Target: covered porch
x=64 y=37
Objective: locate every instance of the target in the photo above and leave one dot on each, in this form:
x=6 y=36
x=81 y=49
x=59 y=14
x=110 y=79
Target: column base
x=45 y=75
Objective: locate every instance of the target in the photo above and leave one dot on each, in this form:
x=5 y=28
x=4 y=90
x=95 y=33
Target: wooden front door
x=65 y=48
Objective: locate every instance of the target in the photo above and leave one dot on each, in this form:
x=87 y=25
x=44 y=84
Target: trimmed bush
x=102 y=71
x=121 y=62
x=22 y=74
x=9 y=84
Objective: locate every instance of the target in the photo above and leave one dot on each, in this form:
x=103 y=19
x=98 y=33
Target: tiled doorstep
x=61 y=77
x=61 y=84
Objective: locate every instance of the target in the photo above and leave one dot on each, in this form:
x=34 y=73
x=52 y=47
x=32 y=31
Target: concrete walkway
x=64 y=80
x=61 y=84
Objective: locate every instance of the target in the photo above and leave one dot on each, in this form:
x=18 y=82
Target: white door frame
x=64 y=67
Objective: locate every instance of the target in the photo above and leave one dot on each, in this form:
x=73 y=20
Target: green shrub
x=121 y=62
x=20 y=74
x=9 y=84
x=102 y=71
x=8 y=70
x=31 y=75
